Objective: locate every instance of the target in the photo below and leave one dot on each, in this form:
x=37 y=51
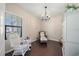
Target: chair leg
x=29 y=49
x=22 y=54
x=13 y=54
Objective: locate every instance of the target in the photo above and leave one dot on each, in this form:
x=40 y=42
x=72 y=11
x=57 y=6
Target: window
x=13 y=23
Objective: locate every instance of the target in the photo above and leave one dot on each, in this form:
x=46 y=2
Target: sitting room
x=39 y=29
x=29 y=23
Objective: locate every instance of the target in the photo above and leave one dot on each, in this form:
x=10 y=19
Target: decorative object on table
x=28 y=37
x=43 y=37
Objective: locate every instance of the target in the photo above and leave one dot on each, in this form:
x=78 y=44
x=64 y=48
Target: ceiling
x=37 y=9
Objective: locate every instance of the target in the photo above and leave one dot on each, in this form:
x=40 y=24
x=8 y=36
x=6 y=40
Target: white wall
x=2 y=40
x=30 y=24
x=53 y=27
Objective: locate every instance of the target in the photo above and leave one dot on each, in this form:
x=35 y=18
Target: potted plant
x=72 y=7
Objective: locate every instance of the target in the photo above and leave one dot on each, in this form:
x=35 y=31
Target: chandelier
x=45 y=17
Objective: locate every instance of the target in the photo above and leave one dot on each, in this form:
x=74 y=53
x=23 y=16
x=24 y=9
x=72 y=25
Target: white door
x=2 y=32
x=71 y=35
x=73 y=27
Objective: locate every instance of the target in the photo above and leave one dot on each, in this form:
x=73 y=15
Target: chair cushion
x=43 y=39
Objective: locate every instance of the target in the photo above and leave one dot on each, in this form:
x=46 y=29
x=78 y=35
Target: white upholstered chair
x=17 y=45
x=43 y=37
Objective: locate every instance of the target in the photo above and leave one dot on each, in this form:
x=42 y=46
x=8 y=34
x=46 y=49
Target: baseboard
x=54 y=40
x=34 y=40
x=8 y=51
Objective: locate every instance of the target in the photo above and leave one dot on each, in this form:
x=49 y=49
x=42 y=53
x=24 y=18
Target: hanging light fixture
x=45 y=17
